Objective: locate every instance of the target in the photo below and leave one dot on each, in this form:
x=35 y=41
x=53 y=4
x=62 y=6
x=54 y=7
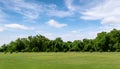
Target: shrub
x=35 y=49
x=91 y=50
x=117 y=50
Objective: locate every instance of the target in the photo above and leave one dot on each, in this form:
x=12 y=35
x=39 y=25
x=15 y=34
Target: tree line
x=104 y=42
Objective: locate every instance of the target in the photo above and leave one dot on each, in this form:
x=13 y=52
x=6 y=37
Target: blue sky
x=69 y=19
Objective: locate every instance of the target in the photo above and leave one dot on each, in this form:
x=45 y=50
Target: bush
x=23 y=50
x=11 y=51
x=100 y=50
x=35 y=49
x=91 y=50
x=47 y=50
x=117 y=50
x=109 y=51
x=5 y=52
x=56 y=50
x=16 y=51
x=65 y=50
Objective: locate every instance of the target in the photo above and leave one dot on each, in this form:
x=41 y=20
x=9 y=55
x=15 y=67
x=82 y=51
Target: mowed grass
x=60 y=60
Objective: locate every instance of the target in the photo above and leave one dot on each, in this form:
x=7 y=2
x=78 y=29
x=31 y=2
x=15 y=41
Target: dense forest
x=104 y=42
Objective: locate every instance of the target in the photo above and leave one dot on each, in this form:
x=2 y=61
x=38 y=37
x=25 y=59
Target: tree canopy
x=104 y=42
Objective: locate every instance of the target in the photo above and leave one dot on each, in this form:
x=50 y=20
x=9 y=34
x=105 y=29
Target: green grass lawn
x=60 y=61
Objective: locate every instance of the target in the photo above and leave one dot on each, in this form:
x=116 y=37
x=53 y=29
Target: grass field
x=60 y=61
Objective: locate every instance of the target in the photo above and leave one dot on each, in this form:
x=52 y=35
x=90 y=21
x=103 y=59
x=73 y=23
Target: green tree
x=117 y=47
x=102 y=41
x=35 y=49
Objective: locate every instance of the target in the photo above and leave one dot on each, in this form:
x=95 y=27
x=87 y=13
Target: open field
x=60 y=61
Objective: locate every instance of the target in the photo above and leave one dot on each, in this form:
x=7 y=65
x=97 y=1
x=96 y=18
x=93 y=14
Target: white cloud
x=80 y=5
x=31 y=10
x=77 y=7
x=52 y=10
x=1 y=29
x=74 y=31
x=79 y=34
x=5 y=39
x=72 y=35
x=55 y=24
x=110 y=20
x=59 y=13
x=109 y=27
x=69 y=5
x=16 y=26
x=108 y=12
x=27 y=9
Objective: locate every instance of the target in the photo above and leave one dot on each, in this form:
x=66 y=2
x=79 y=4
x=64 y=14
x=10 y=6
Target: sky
x=68 y=19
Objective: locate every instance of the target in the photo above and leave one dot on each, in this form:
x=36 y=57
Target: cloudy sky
x=69 y=19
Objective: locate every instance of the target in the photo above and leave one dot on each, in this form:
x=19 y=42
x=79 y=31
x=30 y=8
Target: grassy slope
x=60 y=61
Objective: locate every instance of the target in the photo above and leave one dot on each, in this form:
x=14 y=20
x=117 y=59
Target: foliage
x=104 y=42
